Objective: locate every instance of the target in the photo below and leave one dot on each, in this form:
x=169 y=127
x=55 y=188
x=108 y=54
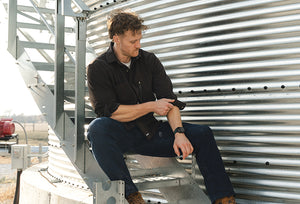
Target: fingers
x=168 y=100
x=176 y=150
x=184 y=148
x=163 y=106
x=169 y=106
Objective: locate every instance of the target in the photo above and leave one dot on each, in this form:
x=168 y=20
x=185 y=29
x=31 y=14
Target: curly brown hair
x=120 y=21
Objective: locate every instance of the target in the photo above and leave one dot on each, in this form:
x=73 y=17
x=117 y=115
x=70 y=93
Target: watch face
x=180 y=130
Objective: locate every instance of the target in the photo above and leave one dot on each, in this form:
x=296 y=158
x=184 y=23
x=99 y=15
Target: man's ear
x=116 y=39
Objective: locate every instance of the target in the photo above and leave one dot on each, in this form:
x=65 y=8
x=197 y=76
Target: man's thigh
x=161 y=144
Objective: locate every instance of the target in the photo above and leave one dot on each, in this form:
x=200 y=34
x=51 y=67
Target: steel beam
x=80 y=91
x=59 y=70
x=12 y=28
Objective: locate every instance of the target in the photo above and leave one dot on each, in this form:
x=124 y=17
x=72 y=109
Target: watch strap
x=179 y=130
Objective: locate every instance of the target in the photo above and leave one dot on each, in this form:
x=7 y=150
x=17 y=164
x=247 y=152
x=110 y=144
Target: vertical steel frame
x=80 y=91
x=73 y=140
x=12 y=28
x=59 y=69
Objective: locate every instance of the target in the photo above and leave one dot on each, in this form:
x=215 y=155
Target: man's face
x=129 y=43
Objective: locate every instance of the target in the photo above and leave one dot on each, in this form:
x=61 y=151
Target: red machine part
x=7 y=127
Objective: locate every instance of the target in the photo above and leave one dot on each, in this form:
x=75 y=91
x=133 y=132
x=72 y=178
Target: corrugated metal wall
x=237 y=65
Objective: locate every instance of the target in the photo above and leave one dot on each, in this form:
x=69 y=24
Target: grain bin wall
x=237 y=65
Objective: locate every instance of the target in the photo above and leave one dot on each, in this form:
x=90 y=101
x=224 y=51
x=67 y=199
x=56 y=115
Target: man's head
x=120 y=21
x=125 y=29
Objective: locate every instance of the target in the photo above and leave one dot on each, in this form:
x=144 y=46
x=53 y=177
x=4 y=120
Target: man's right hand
x=163 y=106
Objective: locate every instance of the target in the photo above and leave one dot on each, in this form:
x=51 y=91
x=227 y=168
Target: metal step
x=31 y=9
x=44 y=66
x=168 y=177
x=39 y=45
x=41 y=27
x=156 y=181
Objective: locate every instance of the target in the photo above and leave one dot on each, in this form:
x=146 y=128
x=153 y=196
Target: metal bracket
x=111 y=192
x=68 y=11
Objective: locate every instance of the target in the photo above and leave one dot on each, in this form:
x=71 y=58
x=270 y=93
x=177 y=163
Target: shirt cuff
x=109 y=109
x=181 y=105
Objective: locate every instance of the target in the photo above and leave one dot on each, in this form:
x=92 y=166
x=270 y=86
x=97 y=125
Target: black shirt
x=112 y=83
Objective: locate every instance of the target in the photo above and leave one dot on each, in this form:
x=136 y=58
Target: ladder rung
x=39 y=45
x=31 y=9
x=44 y=66
x=41 y=27
x=68 y=93
x=155 y=182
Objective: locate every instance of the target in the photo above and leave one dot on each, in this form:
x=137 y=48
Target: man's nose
x=138 y=44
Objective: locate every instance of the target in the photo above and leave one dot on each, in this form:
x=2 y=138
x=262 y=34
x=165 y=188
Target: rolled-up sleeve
x=162 y=85
x=101 y=92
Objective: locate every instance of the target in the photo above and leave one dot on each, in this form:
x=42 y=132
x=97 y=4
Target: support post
x=12 y=28
x=80 y=91
x=59 y=70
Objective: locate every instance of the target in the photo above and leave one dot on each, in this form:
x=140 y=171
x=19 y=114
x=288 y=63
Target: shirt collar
x=111 y=57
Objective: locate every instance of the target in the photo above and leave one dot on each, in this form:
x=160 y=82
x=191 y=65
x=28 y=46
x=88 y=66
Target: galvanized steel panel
x=236 y=64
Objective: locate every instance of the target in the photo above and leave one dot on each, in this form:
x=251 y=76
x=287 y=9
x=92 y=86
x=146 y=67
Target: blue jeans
x=110 y=140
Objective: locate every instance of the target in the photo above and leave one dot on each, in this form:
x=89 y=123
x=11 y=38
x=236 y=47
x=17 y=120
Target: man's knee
x=201 y=134
x=207 y=133
x=98 y=126
x=207 y=130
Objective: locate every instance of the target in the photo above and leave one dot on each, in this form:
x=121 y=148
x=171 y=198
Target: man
x=126 y=86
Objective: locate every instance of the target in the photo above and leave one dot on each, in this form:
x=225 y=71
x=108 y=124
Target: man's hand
x=163 y=106
x=182 y=142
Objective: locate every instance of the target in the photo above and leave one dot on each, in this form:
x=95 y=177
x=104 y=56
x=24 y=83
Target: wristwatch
x=179 y=130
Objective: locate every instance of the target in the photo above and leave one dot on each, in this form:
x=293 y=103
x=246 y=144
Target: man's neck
x=122 y=58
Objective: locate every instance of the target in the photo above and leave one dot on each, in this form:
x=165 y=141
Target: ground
x=7 y=181
x=8 y=176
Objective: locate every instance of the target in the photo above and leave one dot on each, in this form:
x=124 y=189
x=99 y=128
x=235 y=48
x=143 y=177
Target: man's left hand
x=182 y=142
